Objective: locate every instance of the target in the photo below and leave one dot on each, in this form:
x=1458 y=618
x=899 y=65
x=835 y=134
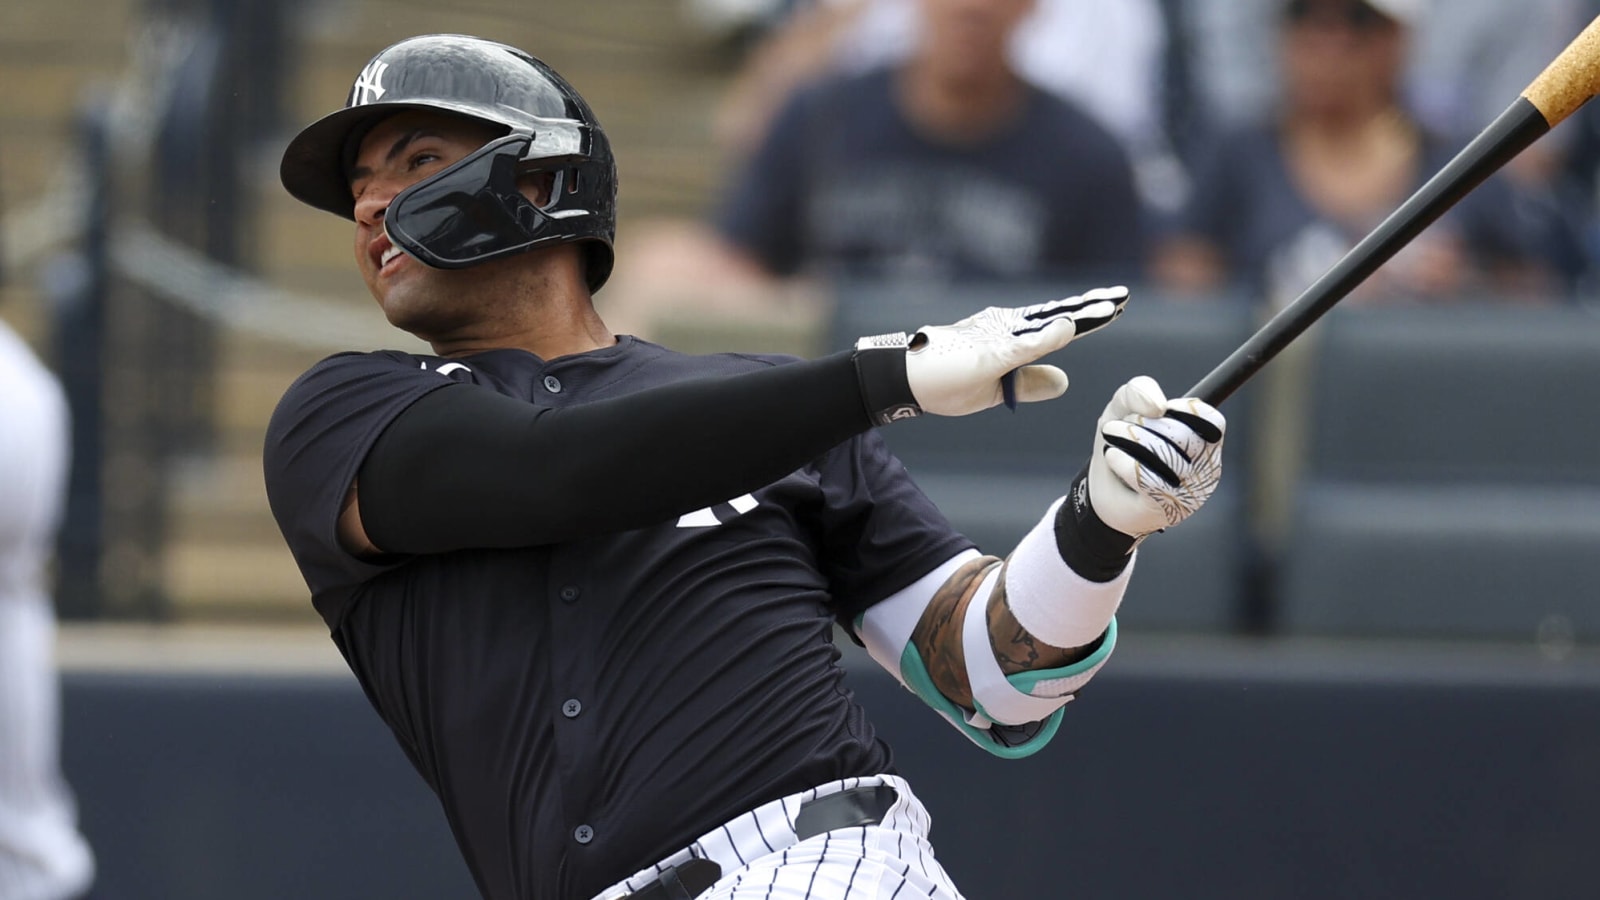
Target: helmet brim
x=315 y=165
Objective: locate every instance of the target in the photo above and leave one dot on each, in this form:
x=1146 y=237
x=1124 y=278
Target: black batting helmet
x=473 y=211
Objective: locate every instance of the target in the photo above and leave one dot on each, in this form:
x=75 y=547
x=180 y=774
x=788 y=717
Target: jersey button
x=552 y=384
x=571 y=708
x=570 y=593
x=583 y=834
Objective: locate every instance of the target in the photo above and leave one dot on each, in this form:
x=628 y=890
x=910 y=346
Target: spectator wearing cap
x=1276 y=202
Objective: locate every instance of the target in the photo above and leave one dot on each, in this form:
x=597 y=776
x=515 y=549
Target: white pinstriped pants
x=760 y=857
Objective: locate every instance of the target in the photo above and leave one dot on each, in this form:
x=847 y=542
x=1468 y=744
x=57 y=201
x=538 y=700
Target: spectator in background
x=1469 y=58
x=1474 y=58
x=1278 y=201
x=1106 y=58
x=42 y=854
x=945 y=166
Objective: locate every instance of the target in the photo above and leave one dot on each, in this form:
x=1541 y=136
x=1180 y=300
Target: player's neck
x=958 y=106
x=539 y=302
x=547 y=328
x=1352 y=123
x=547 y=339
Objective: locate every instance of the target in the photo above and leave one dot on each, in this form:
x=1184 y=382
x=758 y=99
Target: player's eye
x=421 y=158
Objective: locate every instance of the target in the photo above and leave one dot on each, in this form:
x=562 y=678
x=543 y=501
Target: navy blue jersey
x=583 y=709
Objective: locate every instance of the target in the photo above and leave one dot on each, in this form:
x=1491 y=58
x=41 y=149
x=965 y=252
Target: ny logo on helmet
x=369 y=84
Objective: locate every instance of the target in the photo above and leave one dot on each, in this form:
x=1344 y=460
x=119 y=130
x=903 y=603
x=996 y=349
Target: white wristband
x=1052 y=602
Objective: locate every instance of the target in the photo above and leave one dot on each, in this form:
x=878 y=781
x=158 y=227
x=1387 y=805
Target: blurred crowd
x=1203 y=148
x=1209 y=150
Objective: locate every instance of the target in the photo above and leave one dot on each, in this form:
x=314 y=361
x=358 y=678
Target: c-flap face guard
x=474 y=211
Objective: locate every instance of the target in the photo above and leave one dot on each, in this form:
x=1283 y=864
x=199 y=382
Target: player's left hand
x=984 y=359
x=1155 y=460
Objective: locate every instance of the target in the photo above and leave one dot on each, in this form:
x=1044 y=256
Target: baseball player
x=43 y=854
x=590 y=583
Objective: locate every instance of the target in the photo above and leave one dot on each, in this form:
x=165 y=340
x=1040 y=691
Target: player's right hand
x=1156 y=461
x=959 y=369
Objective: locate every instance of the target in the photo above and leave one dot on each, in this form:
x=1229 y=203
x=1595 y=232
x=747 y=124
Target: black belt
x=846 y=809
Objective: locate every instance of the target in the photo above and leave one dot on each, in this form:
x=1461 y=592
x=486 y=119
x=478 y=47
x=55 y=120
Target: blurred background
x=1367 y=667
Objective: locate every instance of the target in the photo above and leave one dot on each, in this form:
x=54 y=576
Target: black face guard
x=474 y=211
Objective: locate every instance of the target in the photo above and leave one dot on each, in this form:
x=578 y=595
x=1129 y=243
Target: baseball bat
x=1565 y=85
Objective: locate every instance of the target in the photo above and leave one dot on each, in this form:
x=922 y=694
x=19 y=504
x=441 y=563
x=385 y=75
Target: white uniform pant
x=761 y=857
x=42 y=854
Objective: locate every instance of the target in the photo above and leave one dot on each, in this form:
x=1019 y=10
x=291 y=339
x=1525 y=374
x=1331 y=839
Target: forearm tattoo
x=938 y=635
x=1017 y=649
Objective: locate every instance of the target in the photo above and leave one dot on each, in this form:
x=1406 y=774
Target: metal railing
x=153 y=212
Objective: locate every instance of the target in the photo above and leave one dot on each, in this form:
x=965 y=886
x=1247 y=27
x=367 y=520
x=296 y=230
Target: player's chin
x=403 y=315
x=418 y=314
x=400 y=297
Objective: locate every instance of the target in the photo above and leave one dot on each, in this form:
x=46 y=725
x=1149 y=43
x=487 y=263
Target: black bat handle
x=1511 y=133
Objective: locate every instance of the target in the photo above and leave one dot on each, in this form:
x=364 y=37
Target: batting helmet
x=473 y=211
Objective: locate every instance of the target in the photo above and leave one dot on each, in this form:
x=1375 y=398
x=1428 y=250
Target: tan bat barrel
x=1571 y=79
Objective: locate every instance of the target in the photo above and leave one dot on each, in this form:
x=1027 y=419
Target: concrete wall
x=1192 y=769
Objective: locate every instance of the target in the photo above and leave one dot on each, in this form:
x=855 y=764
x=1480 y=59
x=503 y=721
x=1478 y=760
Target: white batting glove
x=1155 y=460
x=982 y=360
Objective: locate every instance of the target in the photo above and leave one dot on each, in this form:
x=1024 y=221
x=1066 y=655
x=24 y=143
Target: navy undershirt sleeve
x=465 y=467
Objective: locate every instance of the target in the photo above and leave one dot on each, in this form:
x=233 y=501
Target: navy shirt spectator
x=944 y=166
x=1280 y=201
x=846 y=185
x=1275 y=241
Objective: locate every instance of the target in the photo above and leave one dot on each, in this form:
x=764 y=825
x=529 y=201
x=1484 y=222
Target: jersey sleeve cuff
x=885 y=628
